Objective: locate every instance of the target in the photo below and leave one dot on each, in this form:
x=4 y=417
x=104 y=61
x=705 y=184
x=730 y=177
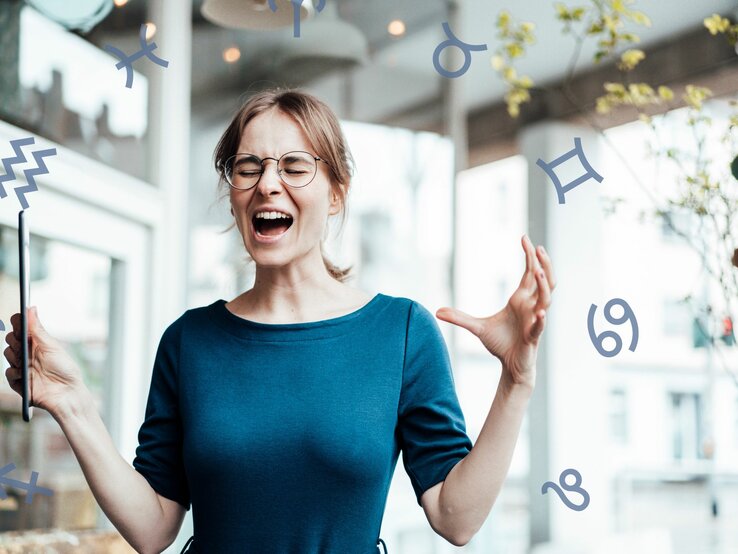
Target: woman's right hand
x=54 y=376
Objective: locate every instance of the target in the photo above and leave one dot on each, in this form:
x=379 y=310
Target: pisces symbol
x=147 y=49
x=575 y=487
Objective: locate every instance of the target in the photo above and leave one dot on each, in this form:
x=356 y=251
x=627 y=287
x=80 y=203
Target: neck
x=297 y=289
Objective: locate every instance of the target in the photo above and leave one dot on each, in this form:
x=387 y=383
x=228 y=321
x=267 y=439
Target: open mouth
x=270 y=227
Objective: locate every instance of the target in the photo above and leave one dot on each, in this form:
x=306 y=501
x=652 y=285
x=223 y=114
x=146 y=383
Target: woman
x=279 y=415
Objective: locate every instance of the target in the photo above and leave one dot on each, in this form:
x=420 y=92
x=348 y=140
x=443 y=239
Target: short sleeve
x=159 y=453
x=431 y=426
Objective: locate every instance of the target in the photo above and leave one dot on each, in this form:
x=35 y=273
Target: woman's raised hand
x=54 y=376
x=512 y=334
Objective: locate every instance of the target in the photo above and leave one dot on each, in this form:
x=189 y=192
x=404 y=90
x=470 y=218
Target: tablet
x=25 y=294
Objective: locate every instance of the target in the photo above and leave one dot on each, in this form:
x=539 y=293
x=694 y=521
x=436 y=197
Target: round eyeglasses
x=297 y=169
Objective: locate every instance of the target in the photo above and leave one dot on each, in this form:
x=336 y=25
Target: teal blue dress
x=284 y=437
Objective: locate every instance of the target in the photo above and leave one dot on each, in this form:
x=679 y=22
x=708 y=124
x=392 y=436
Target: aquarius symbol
x=597 y=340
x=571 y=488
x=465 y=47
x=30 y=174
x=147 y=49
x=589 y=172
x=29 y=487
x=296 y=5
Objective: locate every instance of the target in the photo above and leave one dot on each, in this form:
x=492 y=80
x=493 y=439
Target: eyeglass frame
x=279 y=171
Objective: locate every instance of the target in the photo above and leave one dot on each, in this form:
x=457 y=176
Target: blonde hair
x=324 y=132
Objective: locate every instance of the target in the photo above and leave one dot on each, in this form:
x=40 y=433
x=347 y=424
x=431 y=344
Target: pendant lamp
x=79 y=15
x=253 y=14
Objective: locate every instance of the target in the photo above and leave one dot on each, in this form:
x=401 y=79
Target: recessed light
x=396 y=27
x=120 y=3
x=231 y=54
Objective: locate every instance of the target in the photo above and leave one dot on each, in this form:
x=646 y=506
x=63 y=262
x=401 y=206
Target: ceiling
x=399 y=74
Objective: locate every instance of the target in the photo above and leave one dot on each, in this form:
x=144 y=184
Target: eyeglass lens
x=297 y=169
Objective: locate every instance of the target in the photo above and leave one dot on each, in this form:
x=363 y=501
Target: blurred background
x=127 y=232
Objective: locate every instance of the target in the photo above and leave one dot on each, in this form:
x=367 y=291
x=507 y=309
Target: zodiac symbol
x=576 y=151
x=296 y=4
x=147 y=49
x=575 y=487
x=597 y=340
x=29 y=487
x=19 y=158
x=466 y=48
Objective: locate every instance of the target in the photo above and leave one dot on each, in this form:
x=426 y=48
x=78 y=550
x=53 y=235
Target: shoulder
x=196 y=316
x=413 y=311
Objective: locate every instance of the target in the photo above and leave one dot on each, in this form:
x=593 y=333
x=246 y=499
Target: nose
x=270 y=181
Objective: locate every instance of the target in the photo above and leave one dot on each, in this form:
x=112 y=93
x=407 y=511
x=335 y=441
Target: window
x=71 y=288
x=686 y=425
x=677 y=318
x=618 y=416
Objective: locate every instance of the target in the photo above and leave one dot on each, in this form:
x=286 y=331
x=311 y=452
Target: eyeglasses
x=297 y=169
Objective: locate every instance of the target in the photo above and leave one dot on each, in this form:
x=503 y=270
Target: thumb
x=462 y=319
x=35 y=328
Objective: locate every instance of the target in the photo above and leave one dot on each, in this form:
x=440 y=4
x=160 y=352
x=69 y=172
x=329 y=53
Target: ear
x=335 y=204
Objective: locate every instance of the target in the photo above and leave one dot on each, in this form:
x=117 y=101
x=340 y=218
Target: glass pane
x=72 y=93
x=71 y=288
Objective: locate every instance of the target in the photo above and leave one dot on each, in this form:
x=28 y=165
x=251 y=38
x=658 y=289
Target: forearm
x=122 y=492
x=471 y=487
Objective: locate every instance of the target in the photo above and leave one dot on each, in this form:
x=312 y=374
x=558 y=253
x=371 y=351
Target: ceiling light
x=150 y=30
x=253 y=14
x=327 y=44
x=231 y=54
x=120 y=3
x=396 y=28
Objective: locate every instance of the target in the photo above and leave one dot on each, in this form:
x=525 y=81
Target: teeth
x=272 y=215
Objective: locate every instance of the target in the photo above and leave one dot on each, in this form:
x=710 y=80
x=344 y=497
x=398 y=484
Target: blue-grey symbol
x=147 y=49
x=30 y=174
x=597 y=340
x=2 y=325
x=465 y=47
x=296 y=5
x=590 y=173
x=29 y=487
x=574 y=487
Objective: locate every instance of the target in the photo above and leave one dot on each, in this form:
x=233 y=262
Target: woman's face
x=271 y=134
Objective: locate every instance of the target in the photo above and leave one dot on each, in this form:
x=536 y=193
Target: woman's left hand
x=512 y=334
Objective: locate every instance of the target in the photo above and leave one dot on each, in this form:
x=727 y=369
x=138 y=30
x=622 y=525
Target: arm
x=464 y=499
x=458 y=506
x=148 y=521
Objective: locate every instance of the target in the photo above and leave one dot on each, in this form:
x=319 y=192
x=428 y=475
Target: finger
x=15 y=384
x=35 y=326
x=544 y=291
x=14 y=343
x=538 y=325
x=547 y=266
x=457 y=317
x=15 y=321
x=528 y=279
x=11 y=356
x=12 y=373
